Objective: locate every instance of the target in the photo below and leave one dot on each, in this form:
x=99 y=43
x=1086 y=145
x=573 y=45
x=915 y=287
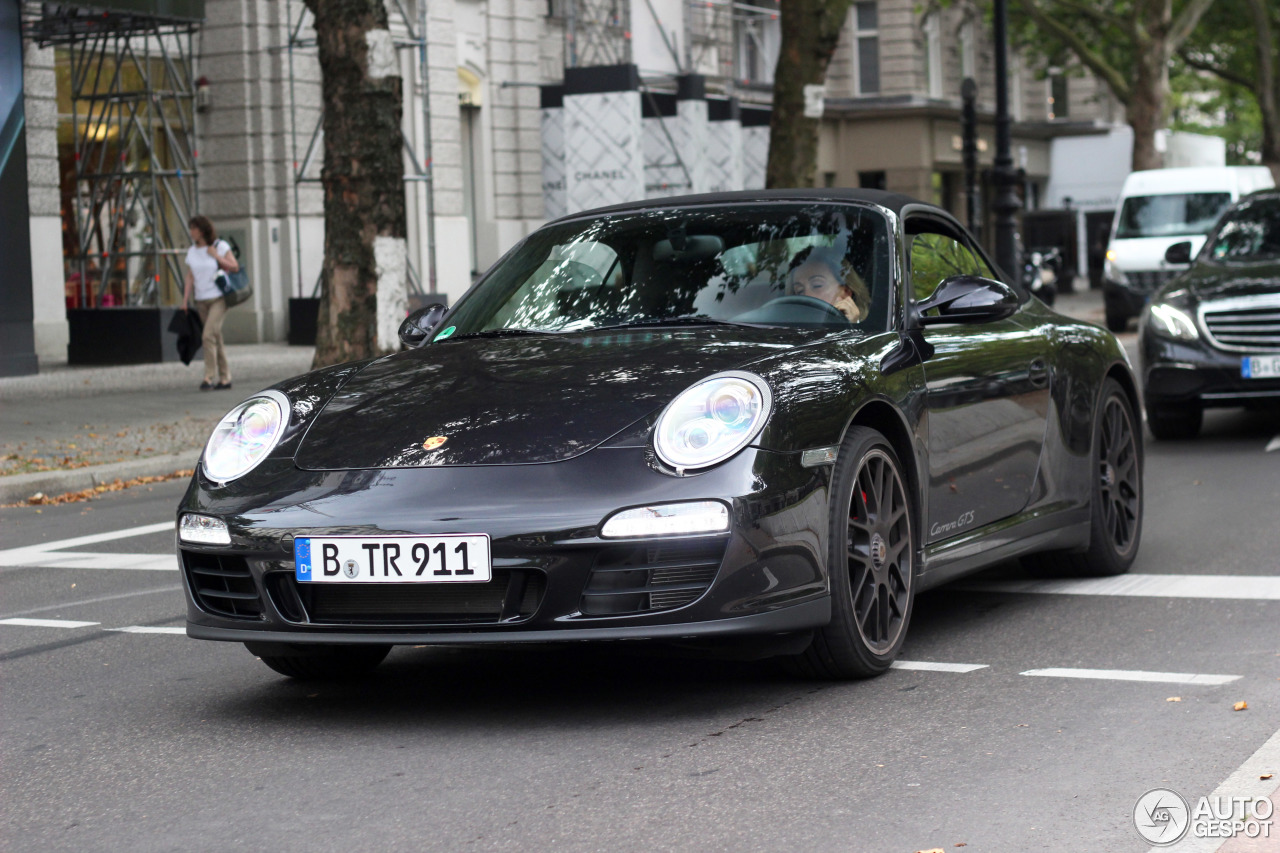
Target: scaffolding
x=132 y=96
x=408 y=34
x=597 y=32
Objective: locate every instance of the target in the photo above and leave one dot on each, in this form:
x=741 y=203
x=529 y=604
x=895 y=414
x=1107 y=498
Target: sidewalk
x=71 y=428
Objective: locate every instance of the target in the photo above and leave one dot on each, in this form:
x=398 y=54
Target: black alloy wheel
x=1117 y=499
x=1172 y=423
x=872 y=563
x=321 y=662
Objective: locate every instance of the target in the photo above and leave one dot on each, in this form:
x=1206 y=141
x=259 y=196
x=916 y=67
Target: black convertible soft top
x=892 y=201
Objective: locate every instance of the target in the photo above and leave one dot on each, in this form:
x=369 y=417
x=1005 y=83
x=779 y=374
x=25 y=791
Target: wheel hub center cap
x=879 y=550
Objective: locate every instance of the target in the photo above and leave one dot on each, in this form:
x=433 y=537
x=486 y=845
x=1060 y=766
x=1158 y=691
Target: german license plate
x=1260 y=367
x=392 y=559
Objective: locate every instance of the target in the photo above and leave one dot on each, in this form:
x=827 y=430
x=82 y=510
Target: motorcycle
x=1040 y=271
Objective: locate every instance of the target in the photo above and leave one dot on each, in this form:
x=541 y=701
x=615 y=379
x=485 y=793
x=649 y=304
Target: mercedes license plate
x=1260 y=367
x=392 y=559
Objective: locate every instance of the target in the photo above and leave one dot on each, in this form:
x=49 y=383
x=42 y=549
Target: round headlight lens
x=713 y=420
x=245 y=436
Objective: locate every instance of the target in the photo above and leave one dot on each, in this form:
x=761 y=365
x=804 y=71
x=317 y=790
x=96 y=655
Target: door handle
x=1039 y=373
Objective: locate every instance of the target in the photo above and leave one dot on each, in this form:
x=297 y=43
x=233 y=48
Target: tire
x=1172 y=423
x=1116 y=503
x=321 y=663
x=871 y=555
x=1117 y=321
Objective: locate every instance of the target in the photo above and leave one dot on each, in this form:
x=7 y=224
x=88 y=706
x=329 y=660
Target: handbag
x=235 y=286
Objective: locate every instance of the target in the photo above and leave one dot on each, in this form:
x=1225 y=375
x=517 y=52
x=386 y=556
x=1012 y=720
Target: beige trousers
x=212 y=312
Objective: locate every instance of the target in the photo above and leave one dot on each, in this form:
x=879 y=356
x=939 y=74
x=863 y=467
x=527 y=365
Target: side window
x=937 y=256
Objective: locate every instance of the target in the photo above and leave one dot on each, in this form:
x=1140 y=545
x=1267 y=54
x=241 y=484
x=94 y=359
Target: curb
x=19 y=487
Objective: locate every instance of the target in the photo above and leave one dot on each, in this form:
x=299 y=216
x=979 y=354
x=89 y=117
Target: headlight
x=1170 y=322
x=245 y=436
x=1113 y=272
x=713 y=420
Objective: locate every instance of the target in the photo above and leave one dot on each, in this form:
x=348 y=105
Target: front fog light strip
x=668 y=520
x=204 y=529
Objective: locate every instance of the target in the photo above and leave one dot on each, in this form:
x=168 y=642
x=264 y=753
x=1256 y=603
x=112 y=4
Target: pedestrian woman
x=206 y=259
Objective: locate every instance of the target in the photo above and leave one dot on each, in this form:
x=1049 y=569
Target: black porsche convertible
x=767 y=418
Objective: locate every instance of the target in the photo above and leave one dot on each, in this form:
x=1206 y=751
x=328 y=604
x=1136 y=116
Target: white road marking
x=930 y=666
x=1245 y=782
x=46 y=623
x=54 y=556
x=1137 y=675
x=147 y=629
x=1254 y=587
x=1273 y=445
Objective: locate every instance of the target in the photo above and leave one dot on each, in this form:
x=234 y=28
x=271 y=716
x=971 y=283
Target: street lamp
x=1004 y=177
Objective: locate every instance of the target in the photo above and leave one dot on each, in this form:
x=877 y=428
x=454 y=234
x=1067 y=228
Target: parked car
x=1211 y=337
x=1158 y=208
x=640 y=424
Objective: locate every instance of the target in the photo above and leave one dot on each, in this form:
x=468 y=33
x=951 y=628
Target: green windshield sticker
x=446 y=333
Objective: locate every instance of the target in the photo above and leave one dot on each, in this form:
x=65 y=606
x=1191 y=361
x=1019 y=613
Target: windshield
x=800 y=265
x=1174 y=215
x=1250 y=232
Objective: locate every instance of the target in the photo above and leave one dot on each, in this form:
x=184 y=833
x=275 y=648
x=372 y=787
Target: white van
x=1160 y=207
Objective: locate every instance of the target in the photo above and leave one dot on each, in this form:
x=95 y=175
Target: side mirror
x=967 y=299
x=418 y=326
x=1178 y=253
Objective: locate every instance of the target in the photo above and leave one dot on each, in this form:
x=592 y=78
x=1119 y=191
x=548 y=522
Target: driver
x=822 y=273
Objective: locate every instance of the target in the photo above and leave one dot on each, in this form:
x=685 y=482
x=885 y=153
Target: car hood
x=1208 y=281
x=1139 y=254
x=518 y=400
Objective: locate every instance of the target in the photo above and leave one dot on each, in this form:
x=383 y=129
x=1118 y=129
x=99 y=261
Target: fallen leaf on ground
x=932 y=850
x=1240 y=706
x=1265 y=776
x=41 y=499
x=1174 y=699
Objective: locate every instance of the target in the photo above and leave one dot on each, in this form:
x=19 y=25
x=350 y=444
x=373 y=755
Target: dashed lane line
x=53 y=555
x=148 y=629
x=47 y=623
x=931 y=666
x=95 y=600
x=1136 y=675
x=1250 y=587
x=1274 y=444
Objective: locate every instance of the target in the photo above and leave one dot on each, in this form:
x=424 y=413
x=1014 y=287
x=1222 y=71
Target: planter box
x=105 y=336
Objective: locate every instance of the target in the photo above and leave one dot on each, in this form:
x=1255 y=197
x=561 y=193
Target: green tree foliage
x=810 y=31
x=1239 y=42
x=1128 y=44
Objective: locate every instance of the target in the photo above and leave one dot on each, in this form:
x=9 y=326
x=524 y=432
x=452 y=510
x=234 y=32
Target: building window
x=871 y=180
x=1058 y=106
x=866 y=48
x=759 y=37
x=828 y=179
x=933 y=55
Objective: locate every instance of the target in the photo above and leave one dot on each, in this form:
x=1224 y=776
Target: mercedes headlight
x=245 y=436
x=1170 y=322
x=712 y=420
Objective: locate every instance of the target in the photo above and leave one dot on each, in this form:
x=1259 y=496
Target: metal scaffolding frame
x=414 y=38
x=133 y=76
x=597 y=32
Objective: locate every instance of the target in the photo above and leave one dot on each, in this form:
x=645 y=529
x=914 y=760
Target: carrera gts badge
x=434 y=442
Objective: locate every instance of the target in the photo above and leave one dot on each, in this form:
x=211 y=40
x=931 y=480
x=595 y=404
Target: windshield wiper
x=684 y=320
x=498 y=333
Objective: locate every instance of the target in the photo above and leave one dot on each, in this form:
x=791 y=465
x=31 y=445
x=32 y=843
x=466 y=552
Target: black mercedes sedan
x=769 y=419
x=1211 y=337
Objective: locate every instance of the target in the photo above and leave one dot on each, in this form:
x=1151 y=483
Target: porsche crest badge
x=434 y=442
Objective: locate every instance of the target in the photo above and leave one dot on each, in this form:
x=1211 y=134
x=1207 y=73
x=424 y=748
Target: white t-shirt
x=204 y=268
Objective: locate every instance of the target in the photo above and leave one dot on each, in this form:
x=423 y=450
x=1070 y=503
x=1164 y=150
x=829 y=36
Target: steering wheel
x=808 y=302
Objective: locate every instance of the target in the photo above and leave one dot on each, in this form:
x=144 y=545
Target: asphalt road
x=143 y=739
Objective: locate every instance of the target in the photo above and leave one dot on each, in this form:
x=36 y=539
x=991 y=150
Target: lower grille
x=645 y=578
x=510 y=596
x=1254 y=327
x=222 y=584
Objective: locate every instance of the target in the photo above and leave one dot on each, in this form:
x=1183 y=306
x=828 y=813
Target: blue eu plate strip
x=302 y=559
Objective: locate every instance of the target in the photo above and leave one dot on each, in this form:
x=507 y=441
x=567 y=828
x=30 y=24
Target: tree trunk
x=363 y=178
x=1268 y=91
x=810 y=31
x=1148 y=103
